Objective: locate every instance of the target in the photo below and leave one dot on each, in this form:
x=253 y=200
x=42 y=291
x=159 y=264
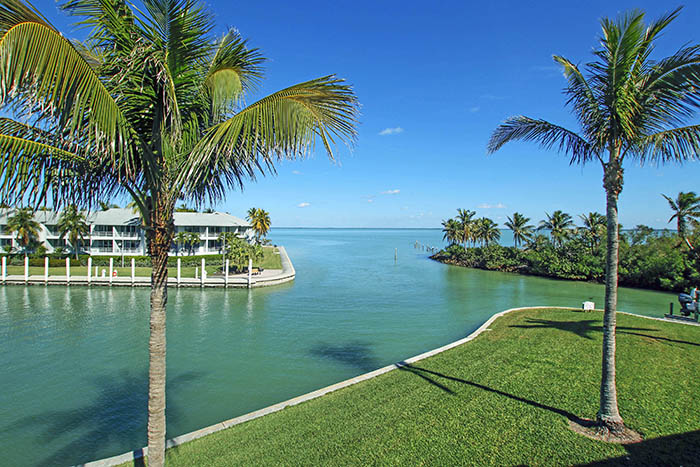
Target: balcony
x=102 y=233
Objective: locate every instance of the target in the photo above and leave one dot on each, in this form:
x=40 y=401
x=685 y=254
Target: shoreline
x=268 y=277
x=554 y=278
x=191 y=436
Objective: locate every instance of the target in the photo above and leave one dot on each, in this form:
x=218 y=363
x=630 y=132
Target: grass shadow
x=678 y=449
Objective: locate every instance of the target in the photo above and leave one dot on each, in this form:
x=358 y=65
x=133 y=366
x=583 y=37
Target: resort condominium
x=119 y=232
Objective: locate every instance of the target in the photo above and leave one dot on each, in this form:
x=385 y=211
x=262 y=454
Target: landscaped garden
x=505 y=398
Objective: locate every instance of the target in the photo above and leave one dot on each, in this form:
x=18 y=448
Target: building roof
x=214 y=219
x=122 y=216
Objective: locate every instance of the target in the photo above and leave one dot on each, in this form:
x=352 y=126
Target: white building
x=118 y=231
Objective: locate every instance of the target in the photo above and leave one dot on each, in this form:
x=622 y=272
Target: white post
x=46 y=269
x=26 y=268
x=133 y=270
x=97 y=271
x=250 y=271
x=4 y=268
x=68 y=270
x=226 y=274
x=89 y=270
x=178 y=271
x=203 y=272
x=111 y=267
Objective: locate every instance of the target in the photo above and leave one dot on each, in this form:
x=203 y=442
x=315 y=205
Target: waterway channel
x=73 y=360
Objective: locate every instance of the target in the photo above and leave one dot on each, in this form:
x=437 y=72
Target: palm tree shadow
x=583 y=328
x=117 y=417
x=355 y=354
x=586 y=328
x=427 y=375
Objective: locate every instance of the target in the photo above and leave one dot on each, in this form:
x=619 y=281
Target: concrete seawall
x=266 y=278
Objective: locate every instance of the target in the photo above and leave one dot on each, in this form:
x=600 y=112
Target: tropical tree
x=151 y=105
x=522 y=231
x=227 y=239
x=192 y=240
x=594 y=228
x=260 y=221
x=73 y=225
x=452 y=231
x=22 y=224
x=466 y=220
x=486 y=231
x=559 y=225
x=184 y=208
x=103 y=205
x=686 y=208
x=180 y=239
x=628 y=107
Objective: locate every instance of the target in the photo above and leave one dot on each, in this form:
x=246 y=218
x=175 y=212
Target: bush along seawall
x=556 y=248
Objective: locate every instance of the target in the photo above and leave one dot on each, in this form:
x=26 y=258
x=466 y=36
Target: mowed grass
x=503 y=399
x=271 y=260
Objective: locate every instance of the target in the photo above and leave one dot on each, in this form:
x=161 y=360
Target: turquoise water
x=74 y=360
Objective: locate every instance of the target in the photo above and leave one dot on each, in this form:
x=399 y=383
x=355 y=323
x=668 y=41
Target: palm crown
x=150 y=104
x=686 y=207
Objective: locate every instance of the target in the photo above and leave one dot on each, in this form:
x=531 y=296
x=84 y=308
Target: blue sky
x=433 y=82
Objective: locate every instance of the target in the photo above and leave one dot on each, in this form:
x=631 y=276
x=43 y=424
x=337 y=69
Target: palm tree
x=151 y=105
x=521 y=230
x=485 y=231
x=192 y=240
x=465 y=218
x=594 y=226
x=23 y=224
x=628 y=106
x=73 y=225
x=452 y=232
x=260 y=221
x=686 y=208
x=559 y=225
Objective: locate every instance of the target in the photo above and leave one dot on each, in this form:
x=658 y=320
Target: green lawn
x=271 y=260
x=502 y=399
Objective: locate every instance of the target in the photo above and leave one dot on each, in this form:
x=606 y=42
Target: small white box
x=588 y=306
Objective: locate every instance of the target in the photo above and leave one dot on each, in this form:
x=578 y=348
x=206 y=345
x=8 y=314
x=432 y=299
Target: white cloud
x=474 y=109
x=370 y=200
x=492 y=97
x=303 y=205
x=391 y=131
x=296 y=172
x=491 y=206
x=391 y=192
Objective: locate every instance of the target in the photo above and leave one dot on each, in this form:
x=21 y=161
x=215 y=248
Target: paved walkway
x=265 y=278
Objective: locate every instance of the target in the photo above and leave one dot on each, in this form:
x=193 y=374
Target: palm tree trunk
x=159 y=247
x=609 y=415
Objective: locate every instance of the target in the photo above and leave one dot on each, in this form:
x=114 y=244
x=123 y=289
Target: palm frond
x=581 y=96
x=42 y=67
x=234 y=70
x=14 y=12
x=675 y=145
x=32 y=171
x=282 y=125
x=112 y=23
x=547 y=135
